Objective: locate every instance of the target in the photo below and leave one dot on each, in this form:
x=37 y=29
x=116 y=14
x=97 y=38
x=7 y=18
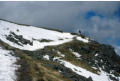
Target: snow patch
x=83 y=39
x=96 y=54
x=7 y=66
x=46 y=57
x=103 y=76
x=75 y=53
x=59 y=53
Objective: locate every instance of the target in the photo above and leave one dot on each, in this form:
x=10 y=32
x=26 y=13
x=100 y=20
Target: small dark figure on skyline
x=79 y=32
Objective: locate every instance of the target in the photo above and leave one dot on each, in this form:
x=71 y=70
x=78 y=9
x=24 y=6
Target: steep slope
x=50 y=55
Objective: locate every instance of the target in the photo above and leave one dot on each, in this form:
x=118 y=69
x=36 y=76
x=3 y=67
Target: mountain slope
x=50 y=55
x=32 y=38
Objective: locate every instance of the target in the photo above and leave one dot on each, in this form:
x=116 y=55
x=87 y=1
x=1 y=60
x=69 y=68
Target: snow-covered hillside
x=73 y=56
x=38 y=37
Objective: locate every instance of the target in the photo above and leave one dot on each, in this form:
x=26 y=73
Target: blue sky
x=98 y=20
x=91 y=14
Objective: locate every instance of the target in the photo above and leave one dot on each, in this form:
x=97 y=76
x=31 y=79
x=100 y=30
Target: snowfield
x=30 y=33
x=7 y=66
x=103 y=76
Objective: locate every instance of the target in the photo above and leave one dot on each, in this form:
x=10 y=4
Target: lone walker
x=79 y=32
